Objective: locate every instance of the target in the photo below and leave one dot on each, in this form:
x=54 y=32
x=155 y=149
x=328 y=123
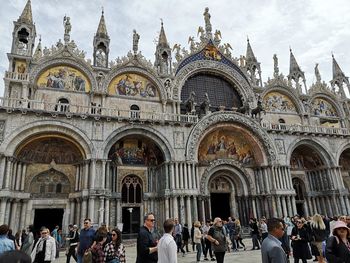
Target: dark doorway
x=49 y=218
x=220 y=205
x=131 y=221
x=300 y=208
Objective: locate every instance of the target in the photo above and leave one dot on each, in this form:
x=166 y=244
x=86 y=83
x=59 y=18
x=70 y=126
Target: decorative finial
x=290 y=49
x=103 y=11
x=247 y=38
x=332 y=54
x=161 y=21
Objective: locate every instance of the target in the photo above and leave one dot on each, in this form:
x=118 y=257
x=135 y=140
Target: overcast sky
x=312 y=28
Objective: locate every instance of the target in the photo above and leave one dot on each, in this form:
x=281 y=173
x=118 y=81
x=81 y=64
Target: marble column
x=78 y=216
x=2 y=170
x=182 y=210
x=203 y=209
x=181 y=175
x=172 y=176
x=71 y=211
x=190 y=178
x=2 y=210
x=29 y=220
x=175 y=207
x=107 y=216
x=289 y=206
x=166 y=207
x=188 y=211
x=279 y=206
x=101 y=210
x=119 y=212
x=176 y=165
x=86 y=173
x=7 y=178
x=195 y=209
x=19 y=176
x=93 y=174
x=13 y=217
x=284 y=206
x=23 y=214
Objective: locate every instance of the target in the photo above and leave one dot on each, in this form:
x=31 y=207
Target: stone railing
x=69 y=110
x=16 y=76
x=305 y=129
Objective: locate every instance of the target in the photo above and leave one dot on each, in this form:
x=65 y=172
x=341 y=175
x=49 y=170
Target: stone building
x=197 y=137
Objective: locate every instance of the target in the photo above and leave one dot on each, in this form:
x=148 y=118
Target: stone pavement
x=248 y=256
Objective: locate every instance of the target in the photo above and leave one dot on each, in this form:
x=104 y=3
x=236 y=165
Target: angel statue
x=178 y=56
x=135 y=42
x=201 y=32
x=217 y=35
x=227 y=48
x=192 y=44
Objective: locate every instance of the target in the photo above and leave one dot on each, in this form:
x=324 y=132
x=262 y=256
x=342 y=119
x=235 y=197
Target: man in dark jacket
x=86 y=239
x=146 y=244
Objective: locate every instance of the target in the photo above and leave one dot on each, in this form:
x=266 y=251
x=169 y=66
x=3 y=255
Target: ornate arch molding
x=133 y=69
x=243 y=86
x=228 y=117
x=314 y=144
x=148 y=132
x=342 y=148
x=289 y=93
x=11 y=143
x=226 y=165
x=338 y=108
x=78 y=64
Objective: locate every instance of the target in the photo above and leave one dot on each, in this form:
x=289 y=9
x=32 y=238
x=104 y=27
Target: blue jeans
x=199 y=251
x=80 y=258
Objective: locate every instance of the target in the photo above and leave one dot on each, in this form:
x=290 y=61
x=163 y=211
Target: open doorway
x=131 y=221
x=49 y=218
x=220 y=205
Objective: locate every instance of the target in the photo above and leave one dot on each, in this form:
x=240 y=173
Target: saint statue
x=100 y=58
x=135 y=41
x=67 y=25
x=207 y=20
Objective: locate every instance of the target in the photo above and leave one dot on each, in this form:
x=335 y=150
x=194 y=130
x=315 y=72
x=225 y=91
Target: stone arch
x=12 y=142
x=251 y=125
x=148 y=132
x=341 y=149
x=81 y=65
x=118 y=71
x=332 y=101
x=285 y=91
x=314 y=144
x=230 y=167
x=243 y=86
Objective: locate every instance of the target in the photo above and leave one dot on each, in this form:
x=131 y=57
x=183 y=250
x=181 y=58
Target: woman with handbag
x=115 y=250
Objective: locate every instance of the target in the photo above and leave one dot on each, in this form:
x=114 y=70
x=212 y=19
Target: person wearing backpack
x=318 y=235
x=217 y=236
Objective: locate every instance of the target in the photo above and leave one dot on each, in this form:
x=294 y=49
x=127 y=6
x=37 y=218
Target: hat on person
x=340 y=224
x=75 y=226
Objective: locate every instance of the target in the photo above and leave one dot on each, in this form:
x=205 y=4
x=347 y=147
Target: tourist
x=167 y=247
x=54 y=233
x=28 y=242
x=146 y=244
x=206 y=242
x=115 y=250
x=6 y=244
x=217 y=236
x=254 y=231
x=300 y=239
x=239 y=239
x=178 y=236
x=263 y=229
x=18 y=242
x=73 y=240
x=271 y=249
x=97 y=252
x=86 y=240
x=318 y=235
x=44 y=250
x=198 y=239
x=231 y=227
x=185 y=237
x=337 y=249
x=192 y=237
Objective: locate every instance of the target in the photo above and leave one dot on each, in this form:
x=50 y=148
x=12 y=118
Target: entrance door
x=49 y=218
x=131 y=220
x=220 y=205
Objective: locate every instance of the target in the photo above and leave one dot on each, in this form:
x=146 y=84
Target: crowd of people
x=328 y=239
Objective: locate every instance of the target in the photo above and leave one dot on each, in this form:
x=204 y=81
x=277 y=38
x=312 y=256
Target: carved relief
x=280 y=146
x=2 y=130
x=220 y=184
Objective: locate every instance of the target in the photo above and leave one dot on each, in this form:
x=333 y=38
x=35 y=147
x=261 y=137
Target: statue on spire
x=317 y=74
x=67 y=28
x=207 y=21
x=135 y=42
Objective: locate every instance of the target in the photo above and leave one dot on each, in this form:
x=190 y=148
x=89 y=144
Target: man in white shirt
x=167 y=248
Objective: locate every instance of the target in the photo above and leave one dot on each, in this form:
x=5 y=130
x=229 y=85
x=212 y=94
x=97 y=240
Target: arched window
x=281 y=121
x=62 y=105
x=131 y=190
x=135 y=112
x=59 y=188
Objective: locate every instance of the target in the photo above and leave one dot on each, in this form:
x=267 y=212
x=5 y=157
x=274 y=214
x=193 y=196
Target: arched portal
x=131 y=191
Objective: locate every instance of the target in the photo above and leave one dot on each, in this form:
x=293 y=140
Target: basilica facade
x=193 y=137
